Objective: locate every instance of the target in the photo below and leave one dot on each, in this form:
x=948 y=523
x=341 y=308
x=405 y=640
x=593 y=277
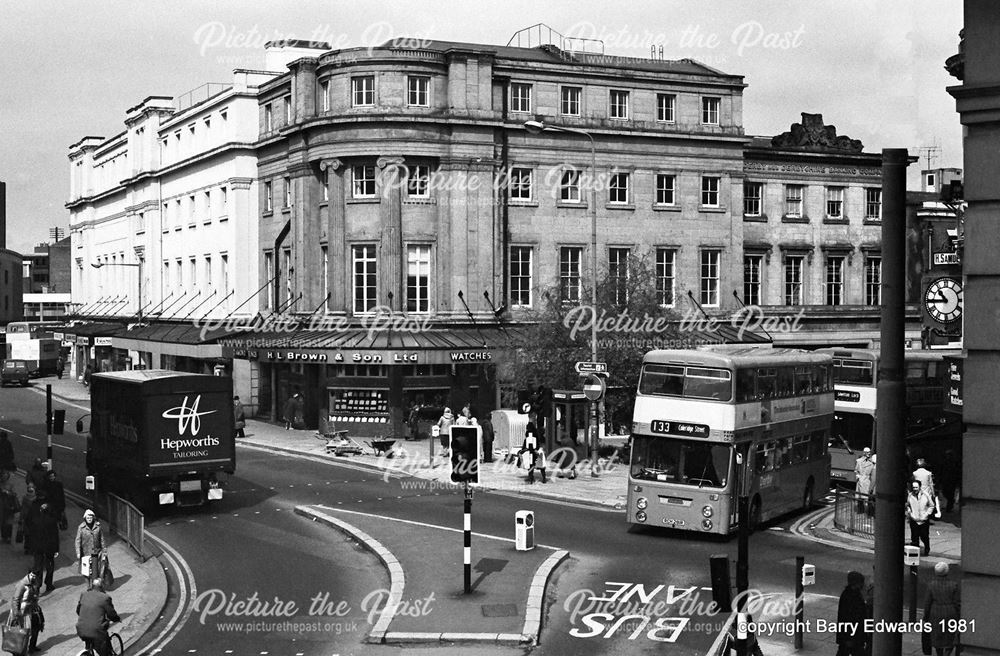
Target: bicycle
x=115 y=640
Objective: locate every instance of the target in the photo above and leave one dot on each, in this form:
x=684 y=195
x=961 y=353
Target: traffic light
x=721 y=590
x=58 y=421
x=465 y=441
x=524 y=402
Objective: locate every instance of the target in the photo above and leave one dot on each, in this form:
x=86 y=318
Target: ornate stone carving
x=383 y=162
x=332 y=164
x=812 y=134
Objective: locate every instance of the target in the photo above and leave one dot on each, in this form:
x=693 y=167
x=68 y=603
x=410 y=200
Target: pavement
x=508 y=615
x=139 y=592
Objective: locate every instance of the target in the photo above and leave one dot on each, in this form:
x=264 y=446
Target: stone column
x=391 y=245
x=336 y=238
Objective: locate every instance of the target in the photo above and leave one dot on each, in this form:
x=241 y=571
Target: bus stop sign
x=594 y=388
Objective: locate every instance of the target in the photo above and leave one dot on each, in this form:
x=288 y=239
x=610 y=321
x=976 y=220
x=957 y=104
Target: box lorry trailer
x=161 y=438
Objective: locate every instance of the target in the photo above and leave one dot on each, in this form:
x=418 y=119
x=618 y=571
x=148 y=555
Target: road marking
x=33 y=439
x=61 y=399
x=184 y=609
x=68 y=448
x=424 y=524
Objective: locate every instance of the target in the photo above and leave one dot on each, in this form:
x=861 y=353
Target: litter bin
x=524 y=530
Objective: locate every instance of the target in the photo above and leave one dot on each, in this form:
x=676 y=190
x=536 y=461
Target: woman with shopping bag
x=89 y=545
x=25 y=621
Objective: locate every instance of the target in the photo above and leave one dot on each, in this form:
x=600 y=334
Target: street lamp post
x=536 y=127
x=98 y=265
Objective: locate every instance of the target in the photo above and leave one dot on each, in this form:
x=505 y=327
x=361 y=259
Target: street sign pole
x=48 y=424
x=467 y=551
x=594 y=390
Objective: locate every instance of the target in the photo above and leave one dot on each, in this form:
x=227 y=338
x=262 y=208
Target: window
x=417 y=91
x=268 y=197
x=363 y=91
x=570 y=101
x=618 y=273
x=569 y=186
x=520 y=276
x=873 y=204
x=666 y=106
x=192 y=210
x=268 y=118
x=834 y=280
x=710 y=278
x=793 y=200
x=666 y=188
x=570 y=283
x=364 y=277
x=363 y=181
x=288 y=191
x=618 y=189
x=287 y=104
x=193 y=263
x=618 y=104
x=178 y=214
x=208 y=123
x=752 y=267
x=286 y=267
x=873 y=280
x=753 y=198
x=191 y=129
x=418 y=181
x=710 y=111
x=223 y=115
x=418 y=275
x=520 y=97
x=710 y=191
x=520 y=184
x=166 y=274
x=324 y=95
x=930 y=180
x=793 y=279
x=665 y=276
x=224 y=271
x=835 y=202
x=268 y=280
x=223 y=198
x=325 y=252
x=208 y=271
x=324 y=184
x=208 y=205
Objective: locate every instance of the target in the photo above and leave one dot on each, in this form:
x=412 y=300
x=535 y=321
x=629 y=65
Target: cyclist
x=24 y=608
x=96 y=613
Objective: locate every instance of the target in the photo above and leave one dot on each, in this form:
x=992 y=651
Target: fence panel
x=128 y=522
x=854 y=513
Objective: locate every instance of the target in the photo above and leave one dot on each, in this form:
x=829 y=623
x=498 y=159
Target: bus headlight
x=706 y=511
x=706 y=524
x=641 y=503
x=640 y=516
x=637 y=488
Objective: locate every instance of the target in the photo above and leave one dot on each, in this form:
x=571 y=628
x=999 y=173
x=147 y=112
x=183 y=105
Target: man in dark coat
x=6 y=452
x=239 y=417
x=96 y=612
x=851 y=614
x=55 y=494
x=45 y=544
x=38 y=477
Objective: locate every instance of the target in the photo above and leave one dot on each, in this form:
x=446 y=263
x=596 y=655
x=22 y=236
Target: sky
x=872 y=68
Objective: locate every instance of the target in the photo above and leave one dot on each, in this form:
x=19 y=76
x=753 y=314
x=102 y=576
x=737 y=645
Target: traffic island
x=426 y=601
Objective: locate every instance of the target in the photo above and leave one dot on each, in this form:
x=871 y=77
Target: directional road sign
x=591 y=367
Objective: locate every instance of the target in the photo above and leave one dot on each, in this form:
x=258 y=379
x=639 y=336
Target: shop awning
x=172 y=338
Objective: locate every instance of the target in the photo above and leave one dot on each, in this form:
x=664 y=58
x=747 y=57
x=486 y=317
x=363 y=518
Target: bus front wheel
x=808 y=499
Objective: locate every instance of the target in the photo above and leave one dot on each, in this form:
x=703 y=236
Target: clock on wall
x=943 y=300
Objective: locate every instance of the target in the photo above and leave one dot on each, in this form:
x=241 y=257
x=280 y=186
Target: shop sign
x=363 y=357
x=102 y=341
x=946 y=258
x=59 y=336
x=953 y=385
x=471 y=356
x=83 y=341
x=292 y=356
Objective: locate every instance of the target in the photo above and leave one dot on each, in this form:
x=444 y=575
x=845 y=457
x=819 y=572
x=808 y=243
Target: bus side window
x=765 y=384
x=785 y=383
x=746 y=382
x=817 y=444
x=783 y=453
x=760 y=458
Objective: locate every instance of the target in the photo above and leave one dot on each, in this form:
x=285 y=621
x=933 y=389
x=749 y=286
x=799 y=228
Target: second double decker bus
x=718 y=421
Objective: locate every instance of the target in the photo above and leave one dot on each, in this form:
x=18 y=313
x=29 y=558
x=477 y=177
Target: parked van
x=14 y=371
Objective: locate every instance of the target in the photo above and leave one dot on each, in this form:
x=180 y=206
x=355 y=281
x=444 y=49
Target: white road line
x=184 y=608
x=424 y=524
x=68 y=448
x=33 y=439
x=60 y=399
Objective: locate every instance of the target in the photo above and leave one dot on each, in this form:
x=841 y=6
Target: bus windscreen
x=853 y=372
x=851 y=431
x=688 y=462
x=686 y=382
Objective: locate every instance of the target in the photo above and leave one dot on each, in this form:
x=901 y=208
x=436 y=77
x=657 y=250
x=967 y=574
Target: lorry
x=161 y=438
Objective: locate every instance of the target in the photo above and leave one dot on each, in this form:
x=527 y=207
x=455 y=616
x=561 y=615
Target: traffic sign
x=594 y=388
x=591 y=367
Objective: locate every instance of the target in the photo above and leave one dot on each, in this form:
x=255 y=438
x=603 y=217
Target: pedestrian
x=87 y=373
x=6 y=452
x=487 y=439
x=926 y=478
x=9 y=506
x=863 y=468
x=919 y=509
x=412 y=421
x=60 y=365
x=25 y=611
x=28 y=509
x=868 y=592
x=55 y=495
x=851 y=614
x=299 y=411
x=45 y=544
x=941 y=609
x=951 y=475
x=871 y=495
x=444 y=424
x=37 y=476
x=95 y=612
x=88 y=545
x=239 y=417
x=288 y=412
x=532 y=457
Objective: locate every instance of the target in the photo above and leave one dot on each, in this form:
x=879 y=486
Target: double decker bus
x=713 y=423
x=855 y=376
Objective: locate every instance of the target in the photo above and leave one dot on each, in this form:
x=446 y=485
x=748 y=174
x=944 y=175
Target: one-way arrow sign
x=591 y=367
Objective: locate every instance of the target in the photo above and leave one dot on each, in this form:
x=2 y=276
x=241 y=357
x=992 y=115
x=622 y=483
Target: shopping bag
x=85 y=565
x=15 y=640
x=107 y=577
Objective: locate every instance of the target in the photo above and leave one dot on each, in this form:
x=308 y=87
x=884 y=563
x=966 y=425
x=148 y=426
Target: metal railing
x=854 y=512
x=200 y=95
x=127 y=521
